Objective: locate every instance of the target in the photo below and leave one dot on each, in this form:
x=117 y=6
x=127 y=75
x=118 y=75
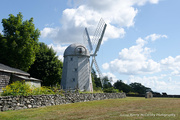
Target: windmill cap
x=76 y=50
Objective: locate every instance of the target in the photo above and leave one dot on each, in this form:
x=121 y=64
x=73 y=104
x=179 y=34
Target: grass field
x=130 y=108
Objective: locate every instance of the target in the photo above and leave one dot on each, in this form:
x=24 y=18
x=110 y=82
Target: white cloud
x=154 y=37
x=105 y=66
x=49 y=32
x=135 y=53
x=141 y=42
x=111 y=77
x=116 y=13
x=59 y=49
x=170 y=79
x=172 y=64
x=154 y=1
x=156 y=83
x=49 y=25
x=137 y=59
x=142 y=2
x=134 y=60
x=148 y=81
x=175 y=73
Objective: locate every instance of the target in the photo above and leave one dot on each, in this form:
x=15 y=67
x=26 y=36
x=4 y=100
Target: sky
x=141 y=42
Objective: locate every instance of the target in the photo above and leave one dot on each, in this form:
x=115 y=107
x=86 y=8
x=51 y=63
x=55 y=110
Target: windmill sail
x=88 y=39
x=98 y=32
x=99 y=72
x=96 y=42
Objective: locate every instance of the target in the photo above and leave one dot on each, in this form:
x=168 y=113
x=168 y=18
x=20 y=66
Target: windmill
x=76 y=72
x=96 y=42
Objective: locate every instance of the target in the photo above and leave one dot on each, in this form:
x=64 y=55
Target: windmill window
x=73 y=79
x=71 y=59
x=80 y=50
x=75 y=69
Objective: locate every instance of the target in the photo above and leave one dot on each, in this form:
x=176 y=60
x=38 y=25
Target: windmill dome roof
x=76 y=50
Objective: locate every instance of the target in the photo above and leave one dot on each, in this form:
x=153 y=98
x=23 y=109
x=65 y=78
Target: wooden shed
x=9 y=74
x=149 y=95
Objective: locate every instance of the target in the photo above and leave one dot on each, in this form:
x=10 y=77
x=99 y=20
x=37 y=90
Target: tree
x=97 y=85
x=96 y=81
x=107 y=86
x=47 y=66
x=107 y=83
x=121 y=86
x=139 y=88
x=19 y=42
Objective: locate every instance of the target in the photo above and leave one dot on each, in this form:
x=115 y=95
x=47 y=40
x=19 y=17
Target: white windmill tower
x=76 y=66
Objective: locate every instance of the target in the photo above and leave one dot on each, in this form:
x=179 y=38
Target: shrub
x=42 y=90
x=98 y=91
x=133 y=93
x=21 y=89
x=110 y=90
x=17 y=88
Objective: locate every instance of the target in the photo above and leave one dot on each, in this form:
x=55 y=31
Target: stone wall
x=24 y=102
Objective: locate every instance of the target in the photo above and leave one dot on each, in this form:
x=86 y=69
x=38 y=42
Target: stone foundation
x=24 y=102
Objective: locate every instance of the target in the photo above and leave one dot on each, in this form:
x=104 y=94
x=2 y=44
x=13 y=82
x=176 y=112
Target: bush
x=98 y=91
x=110 y=90
x=17 y=88
x=21 y=89
x=42 y=90
x=133 y=93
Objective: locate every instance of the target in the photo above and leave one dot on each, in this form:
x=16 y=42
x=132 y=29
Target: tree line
x=118 y=86
x=20 y=48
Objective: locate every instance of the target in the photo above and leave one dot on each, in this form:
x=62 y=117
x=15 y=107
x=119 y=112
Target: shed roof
x=28 y=78
x=8 y=69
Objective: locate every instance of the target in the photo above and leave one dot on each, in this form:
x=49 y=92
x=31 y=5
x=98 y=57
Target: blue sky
x=141 y=43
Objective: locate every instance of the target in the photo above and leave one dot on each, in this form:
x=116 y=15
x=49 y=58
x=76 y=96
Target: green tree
x=107 y=86
x=139 y=88
x=107 y=83
x=47 y=66
x=96 y=81
x=19 y=42
x=121 y=86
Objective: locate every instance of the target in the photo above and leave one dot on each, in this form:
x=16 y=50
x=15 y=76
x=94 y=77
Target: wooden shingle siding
x=4 y=79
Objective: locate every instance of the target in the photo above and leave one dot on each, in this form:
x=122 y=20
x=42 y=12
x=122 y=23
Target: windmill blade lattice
x=87 y=39
x=96 y=42
x=98 y=32
x=99 y=72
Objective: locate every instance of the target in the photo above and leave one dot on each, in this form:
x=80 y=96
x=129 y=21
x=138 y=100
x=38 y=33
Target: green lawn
x=130 y=108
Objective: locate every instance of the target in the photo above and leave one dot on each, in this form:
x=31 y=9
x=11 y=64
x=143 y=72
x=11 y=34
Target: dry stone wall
x=24 y=102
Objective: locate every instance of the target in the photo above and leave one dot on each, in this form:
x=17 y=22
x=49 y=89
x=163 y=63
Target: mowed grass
x=130 y=108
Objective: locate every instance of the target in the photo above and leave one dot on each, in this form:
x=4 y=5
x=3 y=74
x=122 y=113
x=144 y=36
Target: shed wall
x=4 y=79
x=33 y=83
